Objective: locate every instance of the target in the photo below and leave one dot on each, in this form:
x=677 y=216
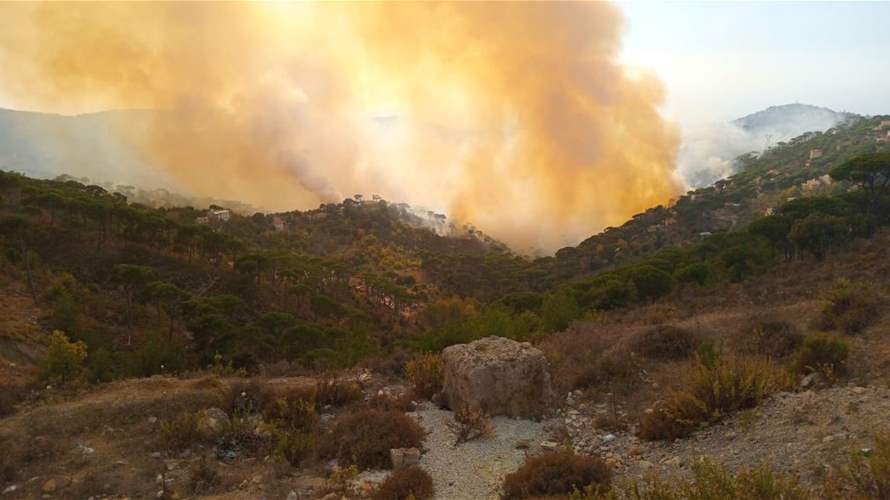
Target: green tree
x=871 y=172
x=168 y=298
x=818 y=233
x=133 y=278
x=558 y=310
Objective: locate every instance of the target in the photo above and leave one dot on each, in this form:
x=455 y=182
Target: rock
x=608 y=438
x=859 y=390
x=313 y=483
x=498 y=376
x=673 y=461
x=212 y=421
x=810 y=380
x=549 y=445
x=644 y=464
x=523 y=444
x=9 y=489
x=404 y=457
x=292 y=495
x=50 y=486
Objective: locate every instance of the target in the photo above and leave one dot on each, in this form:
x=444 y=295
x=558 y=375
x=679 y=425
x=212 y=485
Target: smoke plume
x=513 y=116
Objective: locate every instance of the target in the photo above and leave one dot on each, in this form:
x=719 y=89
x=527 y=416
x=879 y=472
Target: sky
x=720 y=61
x=504 y=115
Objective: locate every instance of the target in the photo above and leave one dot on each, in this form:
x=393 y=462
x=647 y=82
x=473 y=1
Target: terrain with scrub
x=739 y=351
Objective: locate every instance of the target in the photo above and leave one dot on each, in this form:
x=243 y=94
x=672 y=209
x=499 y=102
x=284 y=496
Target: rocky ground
x=802 y=432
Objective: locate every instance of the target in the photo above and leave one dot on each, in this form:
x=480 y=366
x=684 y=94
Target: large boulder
x=498 y=376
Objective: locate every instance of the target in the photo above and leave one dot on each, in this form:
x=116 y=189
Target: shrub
x=557 y=473
x=776 y=339
x=650 y=282
x=295 y=446
x=247 y=398
x=615 y=369
x=292 y=414
x=870 y=476
x=336 y=392
x=364 y=437
x=182 y=431
x=713 y=482
x=823 y=353
x=665 y=342
x=470 y=423
x=9 y=396
x=64 y=359
x=203 y=478
x=712 y=391
x=851 y=307
x=404 y=484
x=426 y=374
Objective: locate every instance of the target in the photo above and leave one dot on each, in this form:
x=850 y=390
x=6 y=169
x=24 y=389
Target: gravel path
x=474 y=470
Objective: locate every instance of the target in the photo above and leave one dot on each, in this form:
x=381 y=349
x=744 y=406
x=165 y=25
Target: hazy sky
x=723 y=60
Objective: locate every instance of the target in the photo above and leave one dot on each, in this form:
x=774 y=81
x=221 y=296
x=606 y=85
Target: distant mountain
x=708 y=152
x=791 y=120
x=46 y=145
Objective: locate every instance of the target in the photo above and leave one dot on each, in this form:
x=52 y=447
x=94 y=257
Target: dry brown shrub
x=364 y=437
x=616 y=370
x=337 y=392
x=470 y=423
x=852 y=307
x=768 y=337
x=203 y=478
x=247 y=397
x=426 y=374
x=409 y=483
x=666 y=343
x=182 y=431
x=402 y=403
x=710 y=391
x=558 y=473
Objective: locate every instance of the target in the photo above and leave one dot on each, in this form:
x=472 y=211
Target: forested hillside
x=168 y=289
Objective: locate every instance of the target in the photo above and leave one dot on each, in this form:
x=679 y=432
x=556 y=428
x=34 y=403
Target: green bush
x=426 y=374
x=870 y=476
x=697 y=272
x=557 y=473
x=650 y=282
x=64 y=359
x=364 y=437
x=711 y=391
x=410 y=483
x=823 y=353
x=852 y=306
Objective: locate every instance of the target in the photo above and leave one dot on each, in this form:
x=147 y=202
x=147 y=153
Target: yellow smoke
x=513 y=116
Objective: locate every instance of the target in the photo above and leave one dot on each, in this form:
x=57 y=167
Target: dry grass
x=470 y=423
x=426 y=374
x=852 y=307
x=666 y=343
x=711 y=391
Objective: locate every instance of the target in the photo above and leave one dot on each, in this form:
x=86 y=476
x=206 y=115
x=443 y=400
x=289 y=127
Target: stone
x=608 y=438
x=404 y=457
x=523 y=444
x=498 y=376
x=292 y=495
x=810 y=380
x=212 y=421
x=644 y=464
x=50 y=486
x=549 y=445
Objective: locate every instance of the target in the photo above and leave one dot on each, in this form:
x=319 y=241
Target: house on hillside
x=220 y=214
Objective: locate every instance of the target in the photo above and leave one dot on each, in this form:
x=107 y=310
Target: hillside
x=789 y=170
x=180 y=351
